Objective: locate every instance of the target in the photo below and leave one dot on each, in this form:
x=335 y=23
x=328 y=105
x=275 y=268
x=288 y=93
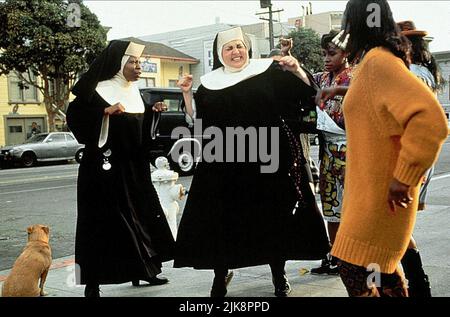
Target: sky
x=145 y=17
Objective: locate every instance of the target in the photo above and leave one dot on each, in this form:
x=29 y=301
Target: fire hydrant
x=169 y=193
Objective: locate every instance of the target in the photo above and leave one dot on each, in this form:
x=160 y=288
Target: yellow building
x=19 y=108
x=162 y=65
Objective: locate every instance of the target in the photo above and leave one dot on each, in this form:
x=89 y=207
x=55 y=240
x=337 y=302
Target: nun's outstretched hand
x=286 y=45
x=159 y=107
x=291 y=64
x=185 y=83
x=114 y=110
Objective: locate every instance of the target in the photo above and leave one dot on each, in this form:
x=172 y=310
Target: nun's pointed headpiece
x=134 y=49
x=105 y=76
x=224 y=76
x=105 y=67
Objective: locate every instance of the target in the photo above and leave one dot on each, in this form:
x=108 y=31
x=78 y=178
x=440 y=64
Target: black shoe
x=219 y=287
x=326 y=267
x=152 y=281
x=92 y=291
x=282 y=286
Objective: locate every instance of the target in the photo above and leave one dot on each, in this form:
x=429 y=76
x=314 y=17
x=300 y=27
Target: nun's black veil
x=104 y=67
x=216 y=61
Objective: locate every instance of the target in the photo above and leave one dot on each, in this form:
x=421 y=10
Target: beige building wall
x=22 y=110
x=322 y=23
x=167 y=71
x=170 y=71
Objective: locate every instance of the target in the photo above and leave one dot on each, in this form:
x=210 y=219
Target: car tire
x=185 y=164
x=79 y=155
x=28 y=159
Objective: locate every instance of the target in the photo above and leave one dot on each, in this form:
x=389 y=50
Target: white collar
x=113 y=92
x=118 y=89
x=220 y=79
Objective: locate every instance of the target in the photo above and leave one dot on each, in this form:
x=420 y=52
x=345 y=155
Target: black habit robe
x=122 y=233
x=235 y=216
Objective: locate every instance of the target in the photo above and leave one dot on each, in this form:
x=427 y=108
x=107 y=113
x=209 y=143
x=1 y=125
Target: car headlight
x=11 y=152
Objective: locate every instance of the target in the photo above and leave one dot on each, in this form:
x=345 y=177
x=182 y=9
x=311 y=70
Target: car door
x=56 y=146
x=172 y=118
x=72 y=145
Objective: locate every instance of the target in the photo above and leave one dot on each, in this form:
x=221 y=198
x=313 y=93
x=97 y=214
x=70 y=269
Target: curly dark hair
x=328 y=38
x=421 y=55
x=364 y=37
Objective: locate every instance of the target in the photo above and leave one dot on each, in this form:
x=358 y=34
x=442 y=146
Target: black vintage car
x=165 y=144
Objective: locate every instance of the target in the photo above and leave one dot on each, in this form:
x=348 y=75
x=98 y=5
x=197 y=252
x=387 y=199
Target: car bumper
x=7 y=160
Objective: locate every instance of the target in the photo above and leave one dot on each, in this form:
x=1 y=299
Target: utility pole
x=268 y=4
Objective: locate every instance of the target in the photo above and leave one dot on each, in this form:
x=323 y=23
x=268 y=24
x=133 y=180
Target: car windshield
x=38 y=138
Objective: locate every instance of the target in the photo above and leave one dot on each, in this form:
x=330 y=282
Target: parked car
x=174 y=117
x=42 y=147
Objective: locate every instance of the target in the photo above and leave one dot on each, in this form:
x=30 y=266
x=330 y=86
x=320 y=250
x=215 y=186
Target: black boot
x=418 y=284
x=92 y=290
x=220 y=283
x=279 y=279
x=152 y=281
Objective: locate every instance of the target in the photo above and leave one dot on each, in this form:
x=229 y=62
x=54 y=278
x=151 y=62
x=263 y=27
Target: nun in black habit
x=236 y=215
x=122 y=234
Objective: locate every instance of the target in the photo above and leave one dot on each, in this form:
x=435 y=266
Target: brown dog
x=33 y=264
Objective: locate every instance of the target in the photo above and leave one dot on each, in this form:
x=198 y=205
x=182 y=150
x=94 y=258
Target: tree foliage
x=40 y=37
x=306 y=48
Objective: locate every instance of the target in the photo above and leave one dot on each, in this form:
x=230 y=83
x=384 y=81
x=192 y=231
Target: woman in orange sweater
x=395 y=129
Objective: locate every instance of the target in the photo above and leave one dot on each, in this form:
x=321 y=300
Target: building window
x=15 y=129
x=146 y=82
x=21 y=92
x=148 y=67
x=208 y=58
x=173 y=83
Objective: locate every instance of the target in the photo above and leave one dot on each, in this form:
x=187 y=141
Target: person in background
x=330 y=123
x=424 y=66
x=122 y=234
x=34 y=129
x=395 y=130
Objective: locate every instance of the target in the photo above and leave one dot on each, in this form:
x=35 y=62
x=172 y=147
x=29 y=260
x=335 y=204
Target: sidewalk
x=186 y=282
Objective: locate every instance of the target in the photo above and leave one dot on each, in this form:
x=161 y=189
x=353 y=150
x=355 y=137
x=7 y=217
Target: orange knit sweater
x=395 y=129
